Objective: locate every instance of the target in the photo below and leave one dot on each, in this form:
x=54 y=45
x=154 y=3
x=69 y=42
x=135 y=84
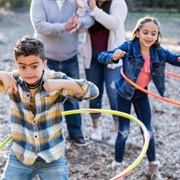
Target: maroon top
x=99 y=40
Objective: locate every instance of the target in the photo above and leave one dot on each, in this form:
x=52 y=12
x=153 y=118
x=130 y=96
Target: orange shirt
x=144 y=77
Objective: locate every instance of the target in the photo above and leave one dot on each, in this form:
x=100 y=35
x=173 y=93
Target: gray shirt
x=49 y=26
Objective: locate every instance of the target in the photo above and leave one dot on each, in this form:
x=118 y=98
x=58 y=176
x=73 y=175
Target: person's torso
x=133 y=62
x=36 y=123
x=63 y=46
x=99 y=40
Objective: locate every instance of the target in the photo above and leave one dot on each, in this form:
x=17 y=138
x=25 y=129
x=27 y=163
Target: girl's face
x=30 y=68
x=148 y=35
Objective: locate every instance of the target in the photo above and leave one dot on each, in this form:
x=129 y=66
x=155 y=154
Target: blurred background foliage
x=172 y=6
x=133 y=5
x=14 y=4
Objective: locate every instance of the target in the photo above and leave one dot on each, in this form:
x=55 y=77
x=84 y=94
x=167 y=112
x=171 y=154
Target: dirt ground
x=93 y=162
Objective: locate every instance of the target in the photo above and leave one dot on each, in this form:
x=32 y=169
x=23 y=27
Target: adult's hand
x=92 y=4
x=80 y=3
x=72 y=23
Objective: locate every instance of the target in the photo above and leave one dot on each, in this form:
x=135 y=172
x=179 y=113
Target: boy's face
x=30 y=68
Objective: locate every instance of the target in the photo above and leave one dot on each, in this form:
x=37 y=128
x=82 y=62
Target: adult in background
x=55 y=23
x=107 y=32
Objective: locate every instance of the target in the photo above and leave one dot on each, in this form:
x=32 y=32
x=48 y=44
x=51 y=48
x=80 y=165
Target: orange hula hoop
x=172 y=74
x=150 y=93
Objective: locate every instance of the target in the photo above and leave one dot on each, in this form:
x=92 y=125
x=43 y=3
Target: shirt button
x=34 y=121
x=27 y=95
x=35 y=136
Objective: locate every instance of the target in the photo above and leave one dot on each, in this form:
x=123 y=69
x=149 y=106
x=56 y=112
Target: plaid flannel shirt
x=41 y=135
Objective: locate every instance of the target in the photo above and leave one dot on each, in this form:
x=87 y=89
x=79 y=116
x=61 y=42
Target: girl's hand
x=118 y=54
x=10 y=84
x=52 y=85
x=92 y=4
x=179 y=59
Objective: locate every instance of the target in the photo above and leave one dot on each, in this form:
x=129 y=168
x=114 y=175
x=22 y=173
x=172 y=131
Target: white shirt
x=59 y=3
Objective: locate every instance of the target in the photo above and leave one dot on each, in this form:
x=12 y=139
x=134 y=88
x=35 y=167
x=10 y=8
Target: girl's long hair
x=140 y=24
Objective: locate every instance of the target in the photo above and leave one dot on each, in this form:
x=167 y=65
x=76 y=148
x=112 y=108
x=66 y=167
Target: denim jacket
x=133 y=62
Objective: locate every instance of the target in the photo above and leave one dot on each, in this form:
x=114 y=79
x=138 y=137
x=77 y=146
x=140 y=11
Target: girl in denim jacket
x=143 y=60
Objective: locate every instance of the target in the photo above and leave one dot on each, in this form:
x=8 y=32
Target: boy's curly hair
x=27 y=46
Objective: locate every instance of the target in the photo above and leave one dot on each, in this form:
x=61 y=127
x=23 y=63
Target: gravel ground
x=93 y=162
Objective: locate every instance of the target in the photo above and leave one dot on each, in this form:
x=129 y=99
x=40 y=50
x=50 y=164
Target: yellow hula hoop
x=117 y=113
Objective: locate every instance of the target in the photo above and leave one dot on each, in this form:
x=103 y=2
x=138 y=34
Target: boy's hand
x=118 y=54
x=10 y=84
x=52 y=85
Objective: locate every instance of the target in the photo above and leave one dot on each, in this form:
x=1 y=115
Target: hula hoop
x=150 y=93
x=172 y=74
x=117 y=113
x=5 y=142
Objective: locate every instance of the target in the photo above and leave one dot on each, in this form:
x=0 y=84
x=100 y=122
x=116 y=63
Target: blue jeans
x=16 y=170
x=70 y=68
x=100 y=74
x=142 y=109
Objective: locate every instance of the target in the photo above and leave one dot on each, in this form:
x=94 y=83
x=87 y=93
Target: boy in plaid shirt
x=35 y=95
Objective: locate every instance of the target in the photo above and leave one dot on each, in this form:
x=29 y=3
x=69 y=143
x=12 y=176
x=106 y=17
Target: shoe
x=112 y=141
x=79 y=141
x=115 y=164
x=118 y=167
x=153 y=172
x=97 y=134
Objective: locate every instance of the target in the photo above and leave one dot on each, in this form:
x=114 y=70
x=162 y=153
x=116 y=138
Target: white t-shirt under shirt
x=59 y=3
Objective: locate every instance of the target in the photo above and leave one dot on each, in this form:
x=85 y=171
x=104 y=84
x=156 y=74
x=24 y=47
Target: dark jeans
x=100 y=74
x=70 y=68
x=142 y=108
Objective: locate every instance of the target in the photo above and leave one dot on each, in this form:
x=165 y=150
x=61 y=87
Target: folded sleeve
x=90 y=89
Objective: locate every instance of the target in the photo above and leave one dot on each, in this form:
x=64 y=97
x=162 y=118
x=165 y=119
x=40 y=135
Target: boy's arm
x=91 y=91
x=7 y=83
x=52 y=85
x=77 y=89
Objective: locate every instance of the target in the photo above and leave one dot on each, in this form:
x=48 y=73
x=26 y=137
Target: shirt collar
x=153 y=52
